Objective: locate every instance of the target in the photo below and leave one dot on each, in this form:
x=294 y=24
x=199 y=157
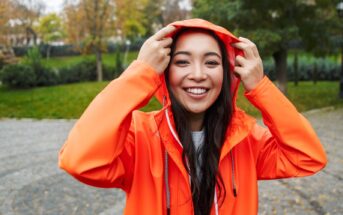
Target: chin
x=196 y=110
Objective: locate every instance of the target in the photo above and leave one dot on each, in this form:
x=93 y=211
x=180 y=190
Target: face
x=196 y=71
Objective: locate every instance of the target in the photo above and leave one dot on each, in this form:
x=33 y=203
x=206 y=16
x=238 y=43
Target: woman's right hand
x=156 y=50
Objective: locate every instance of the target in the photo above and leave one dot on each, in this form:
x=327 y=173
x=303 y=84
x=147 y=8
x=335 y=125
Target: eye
x=212 y=63
x=181 y=62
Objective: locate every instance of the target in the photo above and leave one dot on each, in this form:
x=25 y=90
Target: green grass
x=108 y=59
x=65 y=101
x=69 y=101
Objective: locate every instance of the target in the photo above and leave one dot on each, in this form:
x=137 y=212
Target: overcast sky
x=57 y=5
x=53 y=6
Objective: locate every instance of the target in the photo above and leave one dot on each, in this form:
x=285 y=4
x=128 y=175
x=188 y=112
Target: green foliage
x=82 y=71
x=327 y=69
x=33 y=58
x=108 y=59
x=18 y=76
x=44 y=76
x=85 y=70
x=50 y=28
x=119 y=61
x=134 y=28
x=273 y=24
x=2 y=63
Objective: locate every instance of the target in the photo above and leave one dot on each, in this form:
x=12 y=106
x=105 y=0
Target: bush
x=18 y=76
x=44 y=76
x=86 y=71
x=82 y=71
x=109 y=72
x=316 y=69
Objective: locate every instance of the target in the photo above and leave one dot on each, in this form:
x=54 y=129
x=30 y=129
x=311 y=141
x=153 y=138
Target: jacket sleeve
x=99 y=150
x=289 y=146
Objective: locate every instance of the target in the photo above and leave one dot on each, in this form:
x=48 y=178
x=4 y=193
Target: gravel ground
x=32 y=183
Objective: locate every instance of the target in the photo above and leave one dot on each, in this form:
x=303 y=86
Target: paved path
x=31 y=182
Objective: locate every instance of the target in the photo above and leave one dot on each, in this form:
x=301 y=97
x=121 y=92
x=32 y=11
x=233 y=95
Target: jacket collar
x=240 y=126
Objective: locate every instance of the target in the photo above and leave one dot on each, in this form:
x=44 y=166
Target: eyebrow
x=189 y=54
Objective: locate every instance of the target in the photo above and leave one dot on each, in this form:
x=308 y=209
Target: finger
x=167 y=51
x=245 y=48
x=166 y=42
x=164 y=32
x=239 y=71
x=240 y=61
x=253 y=46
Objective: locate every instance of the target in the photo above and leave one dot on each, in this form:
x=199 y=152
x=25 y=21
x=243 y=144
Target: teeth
x=197 y=91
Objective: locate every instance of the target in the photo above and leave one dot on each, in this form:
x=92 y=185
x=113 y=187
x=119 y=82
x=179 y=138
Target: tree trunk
x=296 y=69
x=48 y=49
x=315 y=73
x=280 y=59
x=99 y=64
x=341 y=76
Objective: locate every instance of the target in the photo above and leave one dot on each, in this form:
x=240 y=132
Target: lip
x=194 y=95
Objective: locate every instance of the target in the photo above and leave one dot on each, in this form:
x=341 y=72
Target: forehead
x=197 y=42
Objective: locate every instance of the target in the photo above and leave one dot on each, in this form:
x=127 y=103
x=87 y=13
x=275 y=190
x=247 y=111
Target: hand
x=156 y=50
x=249 y=68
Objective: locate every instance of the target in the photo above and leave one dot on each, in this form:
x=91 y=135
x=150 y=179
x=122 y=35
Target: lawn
x=108 y=59
x=69 y=101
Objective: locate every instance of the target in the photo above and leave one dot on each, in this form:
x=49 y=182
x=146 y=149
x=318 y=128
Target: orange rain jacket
x=113 y=144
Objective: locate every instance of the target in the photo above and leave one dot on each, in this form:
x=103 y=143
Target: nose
x=197 y=73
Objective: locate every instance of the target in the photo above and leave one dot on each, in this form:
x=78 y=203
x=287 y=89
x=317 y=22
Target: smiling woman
x=198 y=83
x=200 y=154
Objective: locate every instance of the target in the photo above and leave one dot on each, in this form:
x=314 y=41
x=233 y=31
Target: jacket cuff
x=269 y=99
x=260 y=87
x=144 y=70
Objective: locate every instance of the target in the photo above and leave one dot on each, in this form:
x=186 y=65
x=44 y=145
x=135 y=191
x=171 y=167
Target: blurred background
x=54 y=43
x=57 y=55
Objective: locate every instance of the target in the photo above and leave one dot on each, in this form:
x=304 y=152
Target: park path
x=32 y=183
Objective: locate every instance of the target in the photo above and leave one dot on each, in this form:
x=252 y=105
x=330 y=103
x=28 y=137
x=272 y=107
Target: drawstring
x=234 y=190
x=167 y=172
x=216 y=201
x=167 y=183
x=233 y=175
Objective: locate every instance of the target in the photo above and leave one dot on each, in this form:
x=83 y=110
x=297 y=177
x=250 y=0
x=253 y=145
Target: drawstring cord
x=167 y=182
x=166 y=176
x=234 y=190
x=216 y=201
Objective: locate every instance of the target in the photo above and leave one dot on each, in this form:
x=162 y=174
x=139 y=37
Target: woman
x=199 y=154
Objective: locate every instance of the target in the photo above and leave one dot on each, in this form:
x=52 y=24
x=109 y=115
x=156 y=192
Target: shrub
x=315 y=69
x=110 y=72
x=44 y=75
x=86 y=71
x=82 y=71
x=18 y=76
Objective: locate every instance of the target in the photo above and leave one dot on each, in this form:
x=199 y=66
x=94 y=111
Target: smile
x=196 y=90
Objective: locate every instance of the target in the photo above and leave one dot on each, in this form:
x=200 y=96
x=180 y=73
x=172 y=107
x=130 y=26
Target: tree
x=174 y=10
x=274 y=24
x=87 y=24
x=26 y=13
x=4 y=18
x=130 y=19
x=50 y=29
x=74 y=24
x=97 y=13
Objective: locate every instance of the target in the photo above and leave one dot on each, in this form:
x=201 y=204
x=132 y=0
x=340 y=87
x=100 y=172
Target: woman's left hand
x=249 y=67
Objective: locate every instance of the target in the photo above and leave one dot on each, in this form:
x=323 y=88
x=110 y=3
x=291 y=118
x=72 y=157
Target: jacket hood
x=227 y=37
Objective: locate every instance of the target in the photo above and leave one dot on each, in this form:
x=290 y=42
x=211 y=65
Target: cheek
x=217 y=78
x=175 y=77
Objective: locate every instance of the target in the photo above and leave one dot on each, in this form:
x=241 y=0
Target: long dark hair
x=216 y=121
